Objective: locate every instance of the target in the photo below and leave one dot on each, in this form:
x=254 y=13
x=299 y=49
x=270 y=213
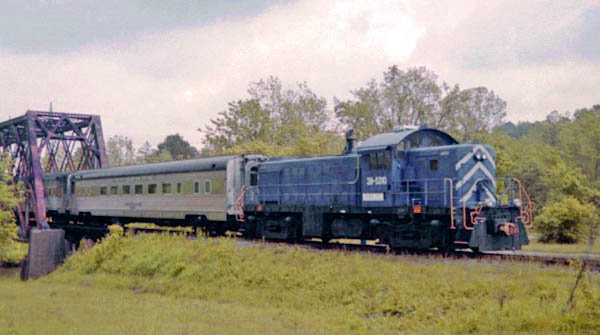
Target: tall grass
x=345 y=292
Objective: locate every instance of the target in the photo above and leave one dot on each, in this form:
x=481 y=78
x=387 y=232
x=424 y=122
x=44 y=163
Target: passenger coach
x=199 y=192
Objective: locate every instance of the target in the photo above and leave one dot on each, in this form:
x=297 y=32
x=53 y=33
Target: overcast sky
x=153 y=68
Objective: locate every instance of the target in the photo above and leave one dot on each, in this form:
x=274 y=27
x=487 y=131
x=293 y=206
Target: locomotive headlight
x=478 y=157
x=484 y=157
x=516 y=202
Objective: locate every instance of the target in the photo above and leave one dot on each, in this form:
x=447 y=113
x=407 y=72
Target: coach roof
x=190 y=165
x=383 y=141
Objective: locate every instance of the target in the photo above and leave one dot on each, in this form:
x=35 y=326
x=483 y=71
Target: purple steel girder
x=49 y=142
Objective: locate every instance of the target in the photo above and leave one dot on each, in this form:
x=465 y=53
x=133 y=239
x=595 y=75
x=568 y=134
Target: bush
x=11 y=252
x=564 y=221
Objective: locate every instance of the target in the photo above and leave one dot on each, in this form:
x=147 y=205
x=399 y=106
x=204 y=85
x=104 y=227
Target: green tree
x=413 y=97
x=482 y=110
x=143 y=152
x=10 y=250
x=564 y=221
x=159 y=156
x=580 y=141
x=403 y=97
x=273 y=121
x=120 y=151
x=365 y=113
x=178 y=148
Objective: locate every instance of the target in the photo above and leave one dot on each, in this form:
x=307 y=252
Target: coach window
x=196 y=187
x=152 y=189
x=139 y=189
x=103 y=190
x=178 y=187
x=166 y=188
x=207 y=187
x=114 y=190
x=126 y=189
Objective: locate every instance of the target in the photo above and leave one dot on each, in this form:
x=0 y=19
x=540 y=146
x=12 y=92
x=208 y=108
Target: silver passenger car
x=205 y=189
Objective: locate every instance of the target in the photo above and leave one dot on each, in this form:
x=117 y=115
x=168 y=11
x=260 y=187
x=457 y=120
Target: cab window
x=380 y=160
x=415 y=140
x=254 y=176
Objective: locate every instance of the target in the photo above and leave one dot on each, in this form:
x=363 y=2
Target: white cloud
x=175 y=81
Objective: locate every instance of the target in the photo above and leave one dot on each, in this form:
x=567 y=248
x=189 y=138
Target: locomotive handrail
x=239 y=211
x=307 y=184
x=475 y=214
x=526 y=208
x=357 y=171
x=465 y=218
x=525 y=212
x=452 y=226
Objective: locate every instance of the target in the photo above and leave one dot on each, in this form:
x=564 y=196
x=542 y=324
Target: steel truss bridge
x=48 y=142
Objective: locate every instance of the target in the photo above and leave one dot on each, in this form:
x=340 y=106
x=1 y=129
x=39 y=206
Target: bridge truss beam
x=49 y=142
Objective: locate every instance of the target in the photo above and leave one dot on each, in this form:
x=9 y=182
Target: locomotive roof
x=382 y=141
x=200 y=164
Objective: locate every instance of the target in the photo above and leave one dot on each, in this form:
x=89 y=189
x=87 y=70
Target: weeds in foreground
x=348 y=292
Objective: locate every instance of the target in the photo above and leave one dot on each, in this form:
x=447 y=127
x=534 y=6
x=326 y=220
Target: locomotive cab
x=440 y=191
x=398 y=167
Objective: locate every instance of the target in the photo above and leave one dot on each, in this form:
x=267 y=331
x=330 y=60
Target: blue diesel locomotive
x=412 y=188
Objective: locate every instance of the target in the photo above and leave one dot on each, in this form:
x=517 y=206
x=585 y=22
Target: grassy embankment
x=575 y=248
x=534 y=244
x=167 y=284
x=560 y=248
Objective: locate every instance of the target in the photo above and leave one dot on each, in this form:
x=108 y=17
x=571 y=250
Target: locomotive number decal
x=377 y=180
x=372 y=196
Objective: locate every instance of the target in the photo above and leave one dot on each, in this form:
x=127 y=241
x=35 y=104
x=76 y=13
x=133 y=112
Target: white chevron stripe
x=470 y=154
x=469 y=193
x=478 y=166
x=489 y=194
